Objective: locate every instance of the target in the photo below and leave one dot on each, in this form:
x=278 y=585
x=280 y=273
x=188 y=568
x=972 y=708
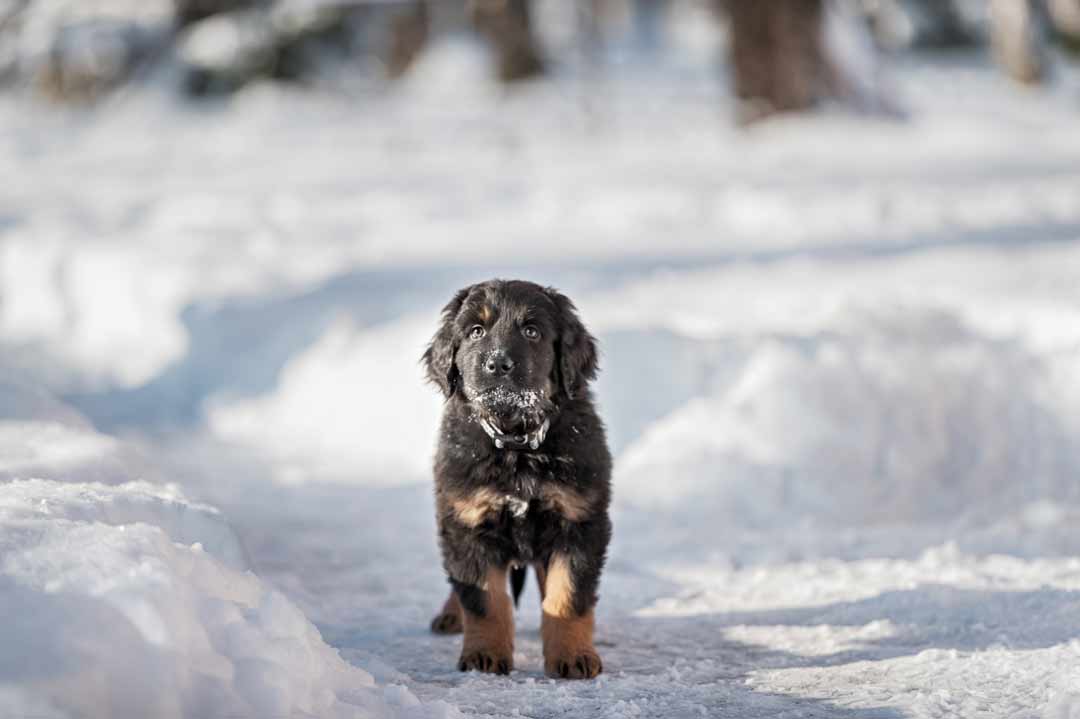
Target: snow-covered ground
x=841 y=372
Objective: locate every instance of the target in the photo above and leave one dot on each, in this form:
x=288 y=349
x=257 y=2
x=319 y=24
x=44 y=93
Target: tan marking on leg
x=558 y=588
x=568 y=647
x=489 y=640
x=568 y=637
x=449 y=620
x=571 y=504
x=473 y=509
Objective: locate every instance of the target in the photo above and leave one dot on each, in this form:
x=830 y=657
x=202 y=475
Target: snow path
x=942 y=634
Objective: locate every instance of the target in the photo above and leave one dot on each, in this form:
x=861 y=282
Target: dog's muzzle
x=530 y=440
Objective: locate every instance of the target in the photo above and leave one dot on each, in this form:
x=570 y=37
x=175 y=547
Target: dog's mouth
x=530 y=440
x=514 y=419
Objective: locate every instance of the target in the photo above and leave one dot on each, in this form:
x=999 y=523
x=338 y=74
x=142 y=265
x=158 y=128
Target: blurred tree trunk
x=409 y=35
x=189 y=11
x=939 y=24
x=508 y=26
x=1065 y=14
x=1018 y=36
x=778 y=58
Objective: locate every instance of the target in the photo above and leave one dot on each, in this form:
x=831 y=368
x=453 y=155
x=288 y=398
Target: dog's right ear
x=438 y=358
x=575 y=348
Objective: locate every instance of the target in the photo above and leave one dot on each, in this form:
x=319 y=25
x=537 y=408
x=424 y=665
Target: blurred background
x=831 y=250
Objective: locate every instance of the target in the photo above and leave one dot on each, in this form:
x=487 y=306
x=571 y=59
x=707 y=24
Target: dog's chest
x=518 y=500
x=515 y=497
x=517 y=506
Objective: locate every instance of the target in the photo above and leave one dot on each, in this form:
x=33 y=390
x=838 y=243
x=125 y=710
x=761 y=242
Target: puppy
x=522 y=473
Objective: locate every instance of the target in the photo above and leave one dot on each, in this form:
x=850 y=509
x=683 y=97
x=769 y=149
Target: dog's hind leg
x=489 y=624
x=567 y=622
x=449 y=620
x=541 y=578
x=517 y=581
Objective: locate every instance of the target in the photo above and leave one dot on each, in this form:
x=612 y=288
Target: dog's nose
x=498 y=363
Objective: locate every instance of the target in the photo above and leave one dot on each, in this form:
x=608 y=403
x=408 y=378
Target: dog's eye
x=530 y=332
x=476 y=332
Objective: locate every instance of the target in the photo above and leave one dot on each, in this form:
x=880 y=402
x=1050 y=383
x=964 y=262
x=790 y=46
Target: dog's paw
x=447 y=623
x=485 y=661
x=584 y=664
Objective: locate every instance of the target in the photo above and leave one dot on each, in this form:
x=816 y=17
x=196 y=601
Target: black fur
x=517 y=582
x=470 y=595
x=574 y=457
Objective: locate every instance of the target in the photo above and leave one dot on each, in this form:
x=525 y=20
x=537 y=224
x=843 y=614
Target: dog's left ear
x=438 y=358
x=575 y=347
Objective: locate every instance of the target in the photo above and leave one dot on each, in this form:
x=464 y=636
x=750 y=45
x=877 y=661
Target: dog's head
x=514 y=351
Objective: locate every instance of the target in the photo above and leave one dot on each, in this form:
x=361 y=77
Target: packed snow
x=839 y=371
x=133 y=602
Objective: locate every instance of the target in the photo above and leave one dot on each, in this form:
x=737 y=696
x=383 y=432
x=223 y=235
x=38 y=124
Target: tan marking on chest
x=473 y=509
x=571 y=504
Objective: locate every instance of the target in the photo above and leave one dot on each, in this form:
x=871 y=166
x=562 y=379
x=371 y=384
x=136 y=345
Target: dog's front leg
x=489 y=624
x=567 y=622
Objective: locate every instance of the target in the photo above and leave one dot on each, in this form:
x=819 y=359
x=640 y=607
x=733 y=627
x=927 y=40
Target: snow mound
x=25 y=445
x=41 y=436
x=1065 y=696
x=834 y=585
x=163 y=506
x=120 y=617
x=353 y=406
x=100 y=307
x=945 y=683
x=889 y=413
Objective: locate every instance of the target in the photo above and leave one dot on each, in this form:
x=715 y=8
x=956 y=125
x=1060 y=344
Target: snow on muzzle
x=514 y=418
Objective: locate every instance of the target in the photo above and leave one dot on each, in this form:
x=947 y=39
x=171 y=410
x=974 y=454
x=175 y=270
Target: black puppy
x=522 y=472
